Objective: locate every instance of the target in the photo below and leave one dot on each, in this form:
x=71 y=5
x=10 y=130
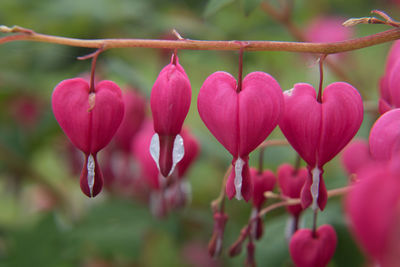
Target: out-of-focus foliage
x=44 y=218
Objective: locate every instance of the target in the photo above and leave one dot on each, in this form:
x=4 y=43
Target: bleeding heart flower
x=308 y=250
x=170 y=102
x=291 y=182
x=240 y=121
x=387 y=85
x=135 y=112
x=90 y=120
x=373 y=209
x=262 y=182
x=356 y=155
x=318 y=131
x=384 y=139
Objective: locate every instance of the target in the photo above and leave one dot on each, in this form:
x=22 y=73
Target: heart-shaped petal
x=318 y=131
x=291 y=182
x=240 y=120
x=307 y=250
x=89 y=120
x=262 y=182
x=384 y=139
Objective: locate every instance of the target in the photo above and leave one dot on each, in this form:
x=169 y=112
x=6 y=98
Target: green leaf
x=215 y=5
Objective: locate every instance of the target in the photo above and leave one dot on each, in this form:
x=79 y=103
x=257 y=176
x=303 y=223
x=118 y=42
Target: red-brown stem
x=314 y=225
x=240 y=71
x=94 y=57
x=174 y=56
x=317 y=48
x=321 y=77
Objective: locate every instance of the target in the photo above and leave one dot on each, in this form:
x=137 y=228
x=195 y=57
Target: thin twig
x=317 y=48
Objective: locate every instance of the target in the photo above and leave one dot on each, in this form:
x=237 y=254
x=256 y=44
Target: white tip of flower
x=315 y=187
x=238 y=178
x=288 y=92
x=155 y=149
x=178 y=152
x=90 y=173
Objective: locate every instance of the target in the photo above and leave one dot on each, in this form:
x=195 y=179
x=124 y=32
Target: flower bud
x=170 y=102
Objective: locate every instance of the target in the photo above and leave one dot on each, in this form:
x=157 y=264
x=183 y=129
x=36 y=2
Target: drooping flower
x=388 y=87
x=135 y=112
x=240 y=121
x=356 y=155
x=319 y=131
x=384 y=139
x=262 y=182
x=308 y=250
x=291 y=182
x=373 y=209
x=170 y=102
x=90 y=120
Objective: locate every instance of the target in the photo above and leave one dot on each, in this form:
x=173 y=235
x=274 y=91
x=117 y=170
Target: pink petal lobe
x=70 y=107
x=98 y=179
x=107 y=113
x=356 y=155
x=291 y=183
x=384 y=139
x=260 y=108
x=135 y=112
x=170 y=99
x=247 y=185
x=262 y=182
x=373 y=208
x=301 y=122
x=218 y=108
x=90 y=128
x=306 y=196
x=309 y=251
x=192 y=149
x=342 y=115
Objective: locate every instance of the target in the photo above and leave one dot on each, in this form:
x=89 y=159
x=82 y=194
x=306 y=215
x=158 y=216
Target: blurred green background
x=44 y=218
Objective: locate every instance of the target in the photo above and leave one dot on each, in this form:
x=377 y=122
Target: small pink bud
x=215 y=244
x=240 y=121
x=170 y=102
x=318 y=131
x=328 y=29
x=135 y=111
x=89 y=120
x=262 y=182
x=384 y=139
x=307 y=250
x=291 y=183
x=250 y=260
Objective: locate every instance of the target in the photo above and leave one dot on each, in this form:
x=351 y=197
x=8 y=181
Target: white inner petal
x=238 y=178
x=288 y=92
x=155 y=149
x=178 y=152
x=315 y=187
x=90 y=173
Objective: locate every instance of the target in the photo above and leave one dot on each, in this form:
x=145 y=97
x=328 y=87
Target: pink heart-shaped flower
x=89 y=120
x=373 y=209
x=356 y=155
x=307 y=250
x=291 y=182
x=262 y=182
x=318 y=131
x=240 y=121
x=384 y=139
